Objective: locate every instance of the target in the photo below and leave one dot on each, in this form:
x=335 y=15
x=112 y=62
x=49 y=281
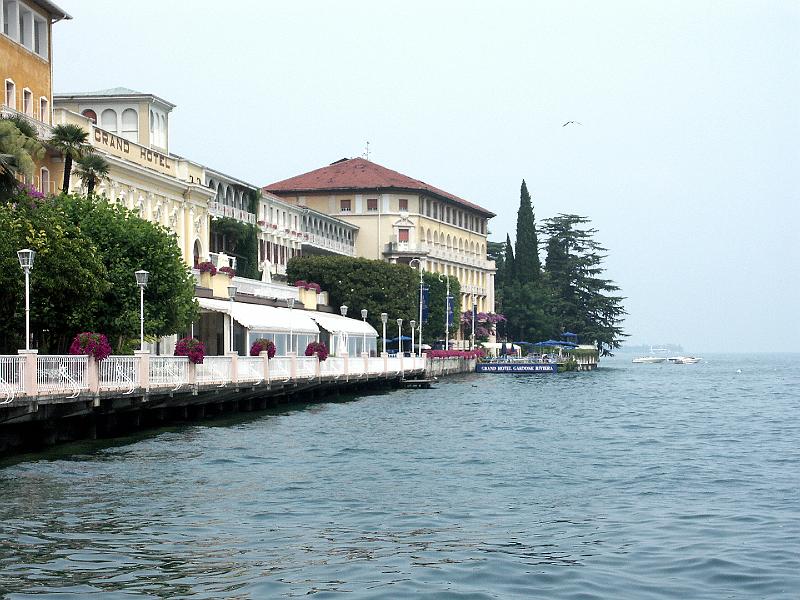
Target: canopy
x=569 y=334
x=404 y=338
x=337 y=324
x=554 y=343
x=263 y=318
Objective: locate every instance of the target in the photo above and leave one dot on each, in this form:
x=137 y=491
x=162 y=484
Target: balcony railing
x=263 y=289
x=29 y=377
x=43 y=130
x=218 y=209
x=325 y=243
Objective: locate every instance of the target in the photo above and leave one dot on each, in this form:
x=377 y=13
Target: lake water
x=630 y=482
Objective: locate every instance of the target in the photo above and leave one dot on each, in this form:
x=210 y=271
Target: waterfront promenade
x=47 y=399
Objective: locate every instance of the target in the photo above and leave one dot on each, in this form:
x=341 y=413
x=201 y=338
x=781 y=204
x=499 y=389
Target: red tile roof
x=359 y=174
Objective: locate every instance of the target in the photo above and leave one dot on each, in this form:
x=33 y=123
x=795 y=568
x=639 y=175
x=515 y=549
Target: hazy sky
x=687 y=160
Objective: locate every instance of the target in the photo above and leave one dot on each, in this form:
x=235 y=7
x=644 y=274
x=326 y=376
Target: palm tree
x=92 y=169
x=15 y=158
x=72 y=141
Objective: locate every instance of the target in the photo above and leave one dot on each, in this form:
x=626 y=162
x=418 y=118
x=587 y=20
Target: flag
x=426 y=294
x=449 y=312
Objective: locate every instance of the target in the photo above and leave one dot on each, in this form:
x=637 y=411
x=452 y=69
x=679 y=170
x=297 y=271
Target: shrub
x=191 y=347
x=93 y=344
x=262 y=345
x=320 y=349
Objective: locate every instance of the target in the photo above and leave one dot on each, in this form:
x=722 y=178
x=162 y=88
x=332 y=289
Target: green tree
x=68 y=279
x=125 y=243
x=92 y=169
x=72 y=141
x=15 y=158
x=239 y=240
x=582 y=301
x=527 y=267
x=434 y=328
x=360 y=283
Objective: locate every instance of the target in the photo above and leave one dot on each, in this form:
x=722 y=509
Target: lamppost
x=446 y=313
x=384 y=319
x=141 y=281
x=343 y=334
x=400 y=337
x=232 y=295
x=419 y=264
x=364 y=340
x=474 y=310
x=413 y=324
x=290 y=304
x=26 y=258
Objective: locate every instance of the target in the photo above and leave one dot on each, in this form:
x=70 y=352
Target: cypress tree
x=527 y=268
x=509 y=269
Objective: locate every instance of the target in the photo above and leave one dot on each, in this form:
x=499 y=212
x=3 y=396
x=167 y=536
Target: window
x=40 y=36
x=402 y=235
x=91 y=115
x=130 y=125
x=44 y=112
x=372 y=204
x=344 y=205
x=108 y=120
x=404 y=204
x=44 y=180
x=27 y=102
x=11 y=94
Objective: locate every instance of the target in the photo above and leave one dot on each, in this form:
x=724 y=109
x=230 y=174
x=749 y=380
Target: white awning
x=257 y=317
x=337 y=324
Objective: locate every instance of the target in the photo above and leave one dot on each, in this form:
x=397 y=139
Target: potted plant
x=318 y=348
x=92 y=344
x=262 y=345
x=192 y=348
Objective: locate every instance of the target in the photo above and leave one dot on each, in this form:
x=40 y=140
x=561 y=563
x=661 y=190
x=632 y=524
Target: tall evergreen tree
x=527 y=267
x=509 y=267
x=582 y=301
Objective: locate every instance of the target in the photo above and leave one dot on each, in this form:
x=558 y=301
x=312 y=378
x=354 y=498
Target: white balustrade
x=62 y=374
x=307 y=367
x=375 y=364
x=280 y=368
x=250 y=368
x=12 y=377
x=170 y=371
x=119 y=373
x=265 y=289
x=214 y=369
x=393 y=364
x=333 y=366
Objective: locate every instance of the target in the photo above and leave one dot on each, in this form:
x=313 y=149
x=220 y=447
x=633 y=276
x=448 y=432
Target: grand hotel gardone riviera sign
x=132 y=151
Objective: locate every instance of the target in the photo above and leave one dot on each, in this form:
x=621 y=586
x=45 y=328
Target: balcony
x=262 y=289
x=217 y=209
x=324 y=243
x=414 y=248
x=43 y=130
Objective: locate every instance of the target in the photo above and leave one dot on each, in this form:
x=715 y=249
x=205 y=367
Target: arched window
x=196 y=253
x=108 y=120
x=163 y=137
x=91 y=115
x=11 y=93
x=130 y=125
x=435 y=238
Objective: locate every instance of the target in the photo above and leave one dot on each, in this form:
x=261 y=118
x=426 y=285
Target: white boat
x=684 y=360
x=649 y=360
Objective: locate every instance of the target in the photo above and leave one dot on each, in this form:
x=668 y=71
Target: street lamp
x=400 y=337
x=364 y=339
x=232 y=295
x=384 y=319
x=446 y=313
x=474 y=310
x=290 y=304
x=343 y=334
x=413 y=324
x=141 y=281
x=26 y=263
x=419 y=264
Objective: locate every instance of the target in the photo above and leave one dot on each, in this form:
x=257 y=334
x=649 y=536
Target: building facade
x=27 y=72
x=400 y=219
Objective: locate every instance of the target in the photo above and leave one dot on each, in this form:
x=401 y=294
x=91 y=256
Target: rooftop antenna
x=366 y=152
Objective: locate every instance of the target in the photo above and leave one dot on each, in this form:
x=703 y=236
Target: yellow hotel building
x=400 y=218
x=27 y=72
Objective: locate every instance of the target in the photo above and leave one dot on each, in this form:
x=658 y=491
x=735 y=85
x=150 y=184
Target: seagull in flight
x=575 y=122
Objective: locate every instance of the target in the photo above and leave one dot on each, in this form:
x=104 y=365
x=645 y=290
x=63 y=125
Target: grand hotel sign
x=142 y=155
